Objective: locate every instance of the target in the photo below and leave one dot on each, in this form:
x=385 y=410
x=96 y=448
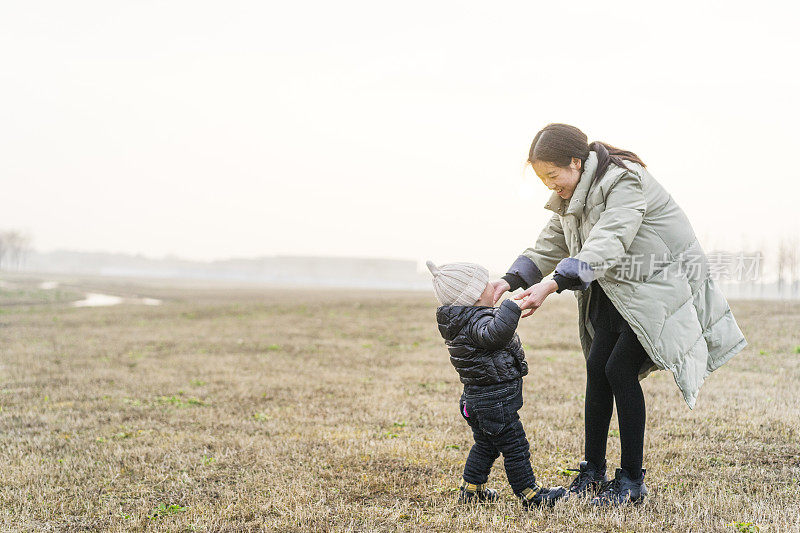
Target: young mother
x=645 y=298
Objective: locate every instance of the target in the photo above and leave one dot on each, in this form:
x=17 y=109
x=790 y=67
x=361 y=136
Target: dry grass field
x=250 y=409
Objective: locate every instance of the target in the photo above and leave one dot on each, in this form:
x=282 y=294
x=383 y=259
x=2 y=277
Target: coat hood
x=452 y=319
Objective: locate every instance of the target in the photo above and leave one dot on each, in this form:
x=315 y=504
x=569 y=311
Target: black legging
x=612 y=373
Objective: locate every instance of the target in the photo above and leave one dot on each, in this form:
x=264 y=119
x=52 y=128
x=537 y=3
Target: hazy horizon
x=210 y=131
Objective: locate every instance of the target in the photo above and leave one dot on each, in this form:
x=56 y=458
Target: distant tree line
x=788 y=266
x=777 y=269
x=14 y=247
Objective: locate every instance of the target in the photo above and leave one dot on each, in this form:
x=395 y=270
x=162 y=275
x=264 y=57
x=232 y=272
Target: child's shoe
x=537 y=496
x=472 y=493
x=588 y=481
x=621 y=490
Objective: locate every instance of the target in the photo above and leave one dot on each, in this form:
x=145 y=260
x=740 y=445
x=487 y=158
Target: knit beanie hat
x=458 y=283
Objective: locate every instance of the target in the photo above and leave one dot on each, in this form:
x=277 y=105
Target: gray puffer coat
x=626 y=231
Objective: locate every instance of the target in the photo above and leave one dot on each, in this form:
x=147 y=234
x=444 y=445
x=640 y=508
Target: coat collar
x=576 y=203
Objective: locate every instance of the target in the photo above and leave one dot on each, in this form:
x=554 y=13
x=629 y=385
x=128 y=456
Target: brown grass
x=256 y=409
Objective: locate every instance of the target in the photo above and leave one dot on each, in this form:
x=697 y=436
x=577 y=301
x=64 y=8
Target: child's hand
x=500 y=286
x=535 y=296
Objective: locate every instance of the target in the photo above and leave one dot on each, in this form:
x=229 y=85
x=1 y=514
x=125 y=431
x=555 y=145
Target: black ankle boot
x=472 y=493
x=621 y=490
x=537 y=496
x=588 y=480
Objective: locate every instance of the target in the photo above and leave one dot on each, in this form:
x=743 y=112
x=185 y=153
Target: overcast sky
x=373 y=129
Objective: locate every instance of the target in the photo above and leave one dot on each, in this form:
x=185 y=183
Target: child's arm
x=495 y=332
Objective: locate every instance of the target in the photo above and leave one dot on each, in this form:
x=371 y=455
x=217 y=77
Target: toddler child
x=487 y=353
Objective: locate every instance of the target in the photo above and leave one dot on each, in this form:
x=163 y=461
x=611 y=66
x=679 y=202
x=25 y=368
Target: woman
x=645 y=297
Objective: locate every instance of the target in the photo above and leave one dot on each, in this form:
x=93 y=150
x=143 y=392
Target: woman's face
x=562 y=180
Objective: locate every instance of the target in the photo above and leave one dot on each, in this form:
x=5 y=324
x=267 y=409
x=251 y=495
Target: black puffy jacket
x=482 y=342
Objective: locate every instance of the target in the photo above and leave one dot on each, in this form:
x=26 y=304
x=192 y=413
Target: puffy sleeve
x=494 y=332
x=540 y=259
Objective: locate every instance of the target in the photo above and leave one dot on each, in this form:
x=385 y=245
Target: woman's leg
x=622 y=371
x=599 y=396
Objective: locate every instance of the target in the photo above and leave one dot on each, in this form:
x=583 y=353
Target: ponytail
x=607 y=154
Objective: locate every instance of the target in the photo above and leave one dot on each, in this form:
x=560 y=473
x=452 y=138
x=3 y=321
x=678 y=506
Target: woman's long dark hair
x=559 y=143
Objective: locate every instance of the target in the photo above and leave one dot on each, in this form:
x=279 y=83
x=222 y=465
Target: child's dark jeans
x=491 y=412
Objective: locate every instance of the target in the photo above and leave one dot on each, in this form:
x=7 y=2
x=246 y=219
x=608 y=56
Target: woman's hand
x=535 y=296
x=500 y=287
